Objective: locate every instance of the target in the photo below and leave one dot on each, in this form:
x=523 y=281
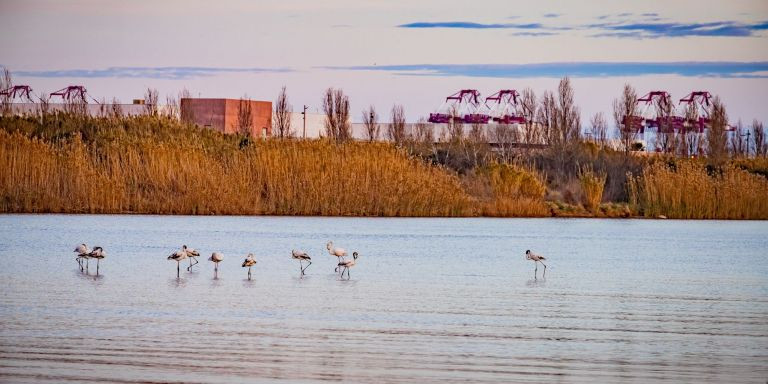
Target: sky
x=381 y=53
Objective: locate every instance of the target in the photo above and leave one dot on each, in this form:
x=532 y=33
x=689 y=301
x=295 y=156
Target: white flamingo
x=347 y=264
x=192 y=254
x=301 y=256
x=178 y=256
x=340 y=253
x=82 y=251
x=98 y=254
x=249 y=262
x=536 y=260
x=216 y=257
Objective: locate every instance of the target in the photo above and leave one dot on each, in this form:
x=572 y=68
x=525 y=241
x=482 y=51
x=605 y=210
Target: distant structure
x=224 y=115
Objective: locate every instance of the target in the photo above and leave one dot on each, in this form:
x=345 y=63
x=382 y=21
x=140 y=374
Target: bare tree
x=245 y=117
x=6 y=81
x=529 y=111
x=476 y=145
x=171 y=107
x=624 y=113
x=568 y=115
x=665 y=138
x=717 y=145
x=504 y=136
x=185 y=114
x=739 y=141
x=761 y=147
x=396 y=130
x=151 y=98
x=599 y=129
x=371 y=122
x=336 y=108
x=283 y=111
x=547 y=117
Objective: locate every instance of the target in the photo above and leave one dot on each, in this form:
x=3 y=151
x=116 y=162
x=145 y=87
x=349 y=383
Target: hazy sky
x=408 y=52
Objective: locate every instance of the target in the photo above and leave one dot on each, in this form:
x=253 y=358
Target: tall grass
x=265 y=177
x=507 y=190
x=592 y=186
x=689 y=190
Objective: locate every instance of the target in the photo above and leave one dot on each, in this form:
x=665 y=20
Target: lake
x=429 y=301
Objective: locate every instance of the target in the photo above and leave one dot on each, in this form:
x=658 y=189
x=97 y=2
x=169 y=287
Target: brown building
x=223 y=114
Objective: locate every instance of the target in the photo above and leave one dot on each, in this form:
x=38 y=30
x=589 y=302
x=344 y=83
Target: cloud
x=656 y=30
x=650 y=27
x=552 y=15
x=724 y=69
x=167 y=73
x=534 y=33
x=470 y=25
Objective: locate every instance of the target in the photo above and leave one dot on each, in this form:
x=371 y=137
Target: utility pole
x=304 y=115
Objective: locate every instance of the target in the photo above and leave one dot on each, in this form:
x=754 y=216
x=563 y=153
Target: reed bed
x=146 y=175
x=507 y=190
x=592 y=187
x=690 y=190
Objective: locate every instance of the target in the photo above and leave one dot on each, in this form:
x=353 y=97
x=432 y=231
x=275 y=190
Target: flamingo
x=82 y=251
x=340 y=253
x=347 y=264
x=301 y=256
x=178 y=256
x=216 y=257
x=536 y=260
x=98 y=254
x=192 y=254
x=249 y=262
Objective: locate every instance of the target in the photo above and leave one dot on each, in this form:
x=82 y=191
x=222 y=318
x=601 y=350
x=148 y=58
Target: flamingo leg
x=97 y=266
x=303 y=269
x=545 y=269
x=536 y=269
x=178 y=268
x=249 y=273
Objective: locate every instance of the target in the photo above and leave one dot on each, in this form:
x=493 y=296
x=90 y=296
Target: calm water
x=431 y=300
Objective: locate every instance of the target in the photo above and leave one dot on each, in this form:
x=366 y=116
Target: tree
x=665 y=138
x=547 y=117
x=568 y=125
x=371 y=123
x=245 y=117
x=624 y=112
x=185 y=114
x=336 y=108
x=739 y=141
x=599 y=129
x=6 y=81
x=529 y=110
x=150 y=101
x=717 y=150
x=761 y=147
x=396 y=130
x=283 y=112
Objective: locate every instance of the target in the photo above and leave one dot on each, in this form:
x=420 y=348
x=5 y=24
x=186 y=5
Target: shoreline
x=633 y=217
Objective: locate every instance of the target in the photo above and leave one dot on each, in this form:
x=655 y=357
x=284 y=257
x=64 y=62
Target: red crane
x=71 y=93
x=503 y=108
x=462 y=106
x=656 y=102
x=698 y=102
x=17 y=91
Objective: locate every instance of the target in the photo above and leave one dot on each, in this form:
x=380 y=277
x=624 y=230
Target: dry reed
x=688 y=190
x=592 y=186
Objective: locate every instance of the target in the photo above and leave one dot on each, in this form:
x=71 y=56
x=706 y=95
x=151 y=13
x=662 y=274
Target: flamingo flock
x=343 y=265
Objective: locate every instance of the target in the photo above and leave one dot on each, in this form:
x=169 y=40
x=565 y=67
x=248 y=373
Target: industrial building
x=223 y=115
